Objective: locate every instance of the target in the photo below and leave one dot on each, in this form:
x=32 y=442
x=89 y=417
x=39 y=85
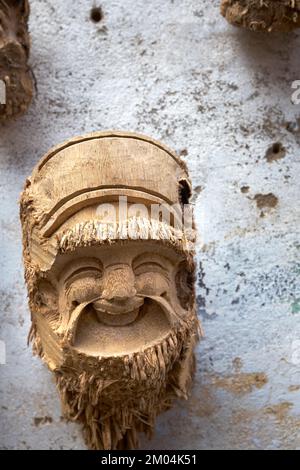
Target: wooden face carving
x=15 y=74
x=263 y=15
x=115 y=300
x=113 y=318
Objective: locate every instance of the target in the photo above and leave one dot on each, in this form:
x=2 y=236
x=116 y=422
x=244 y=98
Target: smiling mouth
x=101 y=332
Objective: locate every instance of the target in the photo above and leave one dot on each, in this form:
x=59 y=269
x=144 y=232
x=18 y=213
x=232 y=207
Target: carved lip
x=114 y=319
x=118 y=314
x=100 y=333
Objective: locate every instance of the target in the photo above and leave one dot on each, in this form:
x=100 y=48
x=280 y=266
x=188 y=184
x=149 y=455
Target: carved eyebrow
x=80 y=264
x=82 y=270
x=149 y=262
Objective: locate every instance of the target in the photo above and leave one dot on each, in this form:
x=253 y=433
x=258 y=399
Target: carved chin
x=99 y=333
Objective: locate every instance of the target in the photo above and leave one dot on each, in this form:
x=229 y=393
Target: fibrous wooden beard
x=116 y=398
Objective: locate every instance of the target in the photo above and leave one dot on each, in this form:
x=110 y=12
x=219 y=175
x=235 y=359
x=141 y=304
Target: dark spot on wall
x=245 y=189
x=266 y=201
x=42 y=420
x=201 y=298
x=96 y=14
x=183 y=153
x=198 y=13
x=279 y=411
x=293 y=127
x=276 y=152
x=196 y=191
x=201 y=281
x=240 y=383
x=294 y=388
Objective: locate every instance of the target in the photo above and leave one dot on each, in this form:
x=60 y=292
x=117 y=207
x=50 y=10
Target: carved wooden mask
x=111 y=287
x=15 y=74
x=263 y=15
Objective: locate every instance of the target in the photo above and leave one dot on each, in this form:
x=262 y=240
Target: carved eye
x=184 y=279
x=151 y=278
x=152 y=283
x=152 y=274
x=83 y=285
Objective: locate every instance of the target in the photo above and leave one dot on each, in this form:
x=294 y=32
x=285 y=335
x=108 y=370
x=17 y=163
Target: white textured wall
x=220 y=96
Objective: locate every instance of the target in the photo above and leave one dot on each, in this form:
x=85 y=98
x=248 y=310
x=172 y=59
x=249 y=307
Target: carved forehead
x=60 y=201
x=84 y=170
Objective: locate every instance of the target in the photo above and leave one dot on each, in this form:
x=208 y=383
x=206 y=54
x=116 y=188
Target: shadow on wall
x=271 y=55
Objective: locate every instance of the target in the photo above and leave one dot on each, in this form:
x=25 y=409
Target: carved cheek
x=46 y=297
x=184 y=280
x=152 y=284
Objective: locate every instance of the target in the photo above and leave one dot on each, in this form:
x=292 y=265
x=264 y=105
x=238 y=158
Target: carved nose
x=118 y=284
